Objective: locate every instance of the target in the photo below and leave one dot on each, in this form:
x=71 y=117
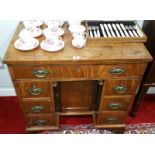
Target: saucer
x=35 y=33
x=21 y=45
x=52 y=48
x=59 y=32
x=33 y=22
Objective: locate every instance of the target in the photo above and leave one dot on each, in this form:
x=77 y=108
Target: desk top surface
x=92 y=53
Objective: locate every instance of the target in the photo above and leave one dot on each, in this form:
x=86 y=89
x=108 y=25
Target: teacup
x=79 y=39
x=53 y=25
x=32 y=29
x=53 y=40
x=26 y=37
x=74 y=22
x=30 y=23
x=77 y=29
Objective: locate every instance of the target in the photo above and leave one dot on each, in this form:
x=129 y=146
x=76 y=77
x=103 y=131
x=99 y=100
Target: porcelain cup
x=53 y=40
x=77 y=29
x=26 y=36
x=53 y=25
x=79 y=39
x=74 y=22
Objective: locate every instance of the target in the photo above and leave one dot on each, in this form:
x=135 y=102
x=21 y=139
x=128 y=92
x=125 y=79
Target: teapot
x=79 y=39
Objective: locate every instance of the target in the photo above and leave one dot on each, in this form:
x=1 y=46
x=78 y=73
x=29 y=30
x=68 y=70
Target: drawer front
x=78 y=71
x=120 y=87
x=115 y=103
x=34 y=89
x=37 y=107
x=40 y=121
x=111 y=117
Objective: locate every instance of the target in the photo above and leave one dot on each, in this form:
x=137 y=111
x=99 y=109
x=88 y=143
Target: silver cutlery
x=98 y=32
x=127 y=28
x=107 y=30
x=133 y=31
x=120 y=30
x=114 y=27
x=103 y=32
x=137 y=30
x=113 y=34
x=123 y=27
x=90 y=32
x=94 y=30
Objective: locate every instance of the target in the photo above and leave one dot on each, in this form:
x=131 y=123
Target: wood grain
x=93 y=53
x=83 y=86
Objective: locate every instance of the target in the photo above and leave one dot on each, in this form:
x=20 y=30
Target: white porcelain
x=51 y=22
x=58 y=32
x=54 y=24
x=26 y=36
x=52 y=45
x=74 y=22
x=77 y=28
x=20 y=44
x=35 y=31
x=79 y=40
x=30 y=23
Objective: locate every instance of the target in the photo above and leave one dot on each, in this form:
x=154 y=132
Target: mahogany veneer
x=100 y=79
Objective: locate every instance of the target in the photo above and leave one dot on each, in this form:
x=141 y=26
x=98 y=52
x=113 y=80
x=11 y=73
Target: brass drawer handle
x=115 y=106
x=37 y=109
x=111 y=119
x=40 y=122
x=34 y=90
x=40 y=73
x=120 y=89
x=117 y=71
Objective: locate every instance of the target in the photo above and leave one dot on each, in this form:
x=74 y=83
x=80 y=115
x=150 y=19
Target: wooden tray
x=141 y=38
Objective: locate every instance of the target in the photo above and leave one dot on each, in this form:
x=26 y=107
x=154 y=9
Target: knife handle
x=103 y=32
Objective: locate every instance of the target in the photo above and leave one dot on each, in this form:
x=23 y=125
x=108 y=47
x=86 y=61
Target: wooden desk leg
x=138 y=100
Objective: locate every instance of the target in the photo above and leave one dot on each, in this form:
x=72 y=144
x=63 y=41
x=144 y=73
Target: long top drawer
x=78 y=71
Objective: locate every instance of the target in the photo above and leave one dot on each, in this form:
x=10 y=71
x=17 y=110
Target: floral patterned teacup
x=26 y=37
x=52 y=40
x=79 y=39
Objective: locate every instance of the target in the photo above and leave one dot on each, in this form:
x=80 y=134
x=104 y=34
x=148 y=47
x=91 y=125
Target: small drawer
x=41 y=120
x=115 y=103
x=37 y=107
x=111 y=117
x=77 y=71
x=120 y=87
x=34 y=89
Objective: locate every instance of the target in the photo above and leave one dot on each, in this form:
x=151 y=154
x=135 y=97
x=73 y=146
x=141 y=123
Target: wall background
x=7 y=29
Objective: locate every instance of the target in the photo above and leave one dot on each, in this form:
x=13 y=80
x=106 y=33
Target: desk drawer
x=78 y=71
x=111 y=117
x=115 y=103
x=37 y=107
x=120 y=87
x=41 y=120
x=34 y=89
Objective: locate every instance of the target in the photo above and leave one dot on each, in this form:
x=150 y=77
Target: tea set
x=52 y=32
